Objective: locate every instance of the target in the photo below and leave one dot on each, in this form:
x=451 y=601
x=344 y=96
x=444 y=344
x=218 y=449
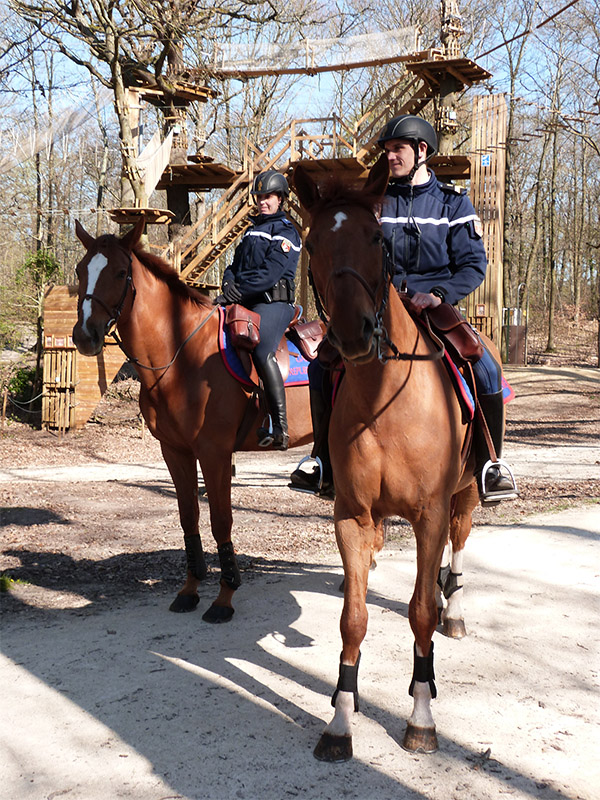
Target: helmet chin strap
x=408 y=178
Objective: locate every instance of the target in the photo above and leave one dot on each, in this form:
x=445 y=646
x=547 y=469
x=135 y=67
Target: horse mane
x=162 y=270
x=337 y=193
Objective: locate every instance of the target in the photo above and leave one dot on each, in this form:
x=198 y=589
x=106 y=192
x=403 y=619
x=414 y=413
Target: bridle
x=115 y=313
x=380 y=333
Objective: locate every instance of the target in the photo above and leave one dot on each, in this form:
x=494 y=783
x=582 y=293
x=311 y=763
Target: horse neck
x=157 y=319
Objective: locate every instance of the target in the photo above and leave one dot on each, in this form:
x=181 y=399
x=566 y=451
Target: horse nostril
x=368 y=329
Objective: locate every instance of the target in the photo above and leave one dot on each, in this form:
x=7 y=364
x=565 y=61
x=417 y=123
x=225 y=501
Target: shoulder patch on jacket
x=451 y=188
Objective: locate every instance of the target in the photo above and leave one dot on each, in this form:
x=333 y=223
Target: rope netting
x=315 y=54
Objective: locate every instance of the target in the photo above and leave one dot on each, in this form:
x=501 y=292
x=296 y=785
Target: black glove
x=231 y=292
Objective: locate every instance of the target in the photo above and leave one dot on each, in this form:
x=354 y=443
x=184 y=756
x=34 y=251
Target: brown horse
x=396 y=440
x=190 y=402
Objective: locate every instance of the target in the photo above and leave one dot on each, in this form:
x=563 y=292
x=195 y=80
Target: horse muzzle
x=357 y=347
x=88 y=339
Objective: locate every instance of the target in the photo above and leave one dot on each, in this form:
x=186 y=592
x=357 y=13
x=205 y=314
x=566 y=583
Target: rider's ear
x=133 y=236
x=377 y=179
x=306 y=189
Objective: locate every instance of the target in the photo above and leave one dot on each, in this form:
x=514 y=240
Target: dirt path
x=112 y=696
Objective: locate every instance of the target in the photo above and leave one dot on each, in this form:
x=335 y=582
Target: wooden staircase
x=350 y=147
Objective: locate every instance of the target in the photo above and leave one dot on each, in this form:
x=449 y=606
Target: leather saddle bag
x=462 y=342
x=244 y=326
x=307 y=337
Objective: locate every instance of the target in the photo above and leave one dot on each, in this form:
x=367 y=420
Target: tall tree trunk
x=552 y=277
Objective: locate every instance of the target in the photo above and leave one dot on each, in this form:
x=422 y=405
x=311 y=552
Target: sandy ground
x=134 y=702
x=111 y=696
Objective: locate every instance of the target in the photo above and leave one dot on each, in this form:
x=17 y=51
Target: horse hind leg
x=452 y=620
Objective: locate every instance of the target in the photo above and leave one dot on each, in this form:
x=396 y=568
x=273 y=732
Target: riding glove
x=231 y=292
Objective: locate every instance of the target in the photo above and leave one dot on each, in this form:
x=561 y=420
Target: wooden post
x=4 y=401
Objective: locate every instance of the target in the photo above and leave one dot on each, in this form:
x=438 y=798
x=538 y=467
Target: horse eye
x=378 y=237
x=122 y=274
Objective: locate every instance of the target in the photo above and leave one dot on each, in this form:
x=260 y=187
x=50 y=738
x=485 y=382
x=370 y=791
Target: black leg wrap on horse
x=347 y=682
x=423 y=672
x=195 y=557
x=230 y=572
x=443 y=577
x=451 y=584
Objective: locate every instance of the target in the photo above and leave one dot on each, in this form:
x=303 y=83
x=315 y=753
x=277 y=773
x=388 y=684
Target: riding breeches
x=488 y=373
x=274 y=319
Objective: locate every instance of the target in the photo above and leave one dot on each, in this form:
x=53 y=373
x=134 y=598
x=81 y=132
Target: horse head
x=104 y=275
x=347 y=258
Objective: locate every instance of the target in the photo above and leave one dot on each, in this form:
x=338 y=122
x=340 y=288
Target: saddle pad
x=298 y=372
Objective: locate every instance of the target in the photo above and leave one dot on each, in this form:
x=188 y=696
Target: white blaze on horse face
x=339 y=218
x=94 y=269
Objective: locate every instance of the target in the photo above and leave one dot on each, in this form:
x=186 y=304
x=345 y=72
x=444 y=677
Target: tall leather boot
x=275 y=395
x=320 y=479
x=498 y=478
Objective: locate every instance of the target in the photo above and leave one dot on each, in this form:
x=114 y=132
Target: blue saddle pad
x=298 y=373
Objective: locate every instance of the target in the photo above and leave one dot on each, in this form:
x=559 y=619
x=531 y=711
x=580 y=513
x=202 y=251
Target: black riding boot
x=320 y=479
x=499 y=484
x=275 y=395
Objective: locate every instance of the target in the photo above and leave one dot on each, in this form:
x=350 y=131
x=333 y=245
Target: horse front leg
x=356 y=548
x=463 y=503
x=420 y=735
x=183 y=469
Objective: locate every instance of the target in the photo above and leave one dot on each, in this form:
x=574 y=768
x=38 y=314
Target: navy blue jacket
x=269 y=251
x=433 y=235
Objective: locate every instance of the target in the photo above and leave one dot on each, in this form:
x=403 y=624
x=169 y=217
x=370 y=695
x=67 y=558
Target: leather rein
x=380 y=333
x=115 y=313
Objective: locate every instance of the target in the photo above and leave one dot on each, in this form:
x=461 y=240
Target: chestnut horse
x=396 y=439
x=190 y=402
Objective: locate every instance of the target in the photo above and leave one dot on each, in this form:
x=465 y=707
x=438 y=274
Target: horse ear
x=86 y=239
x=378 y=177
x=133 y=236
x=306 y=189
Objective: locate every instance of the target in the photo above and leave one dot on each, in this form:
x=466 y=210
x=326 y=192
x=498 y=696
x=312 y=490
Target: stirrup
x=265 y=432
x=491 y=498
x=319 y=484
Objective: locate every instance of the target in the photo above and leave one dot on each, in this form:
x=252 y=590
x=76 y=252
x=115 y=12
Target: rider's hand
x=231 y=292
x=422 y=300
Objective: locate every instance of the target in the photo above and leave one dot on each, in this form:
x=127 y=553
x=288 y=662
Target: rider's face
x=401 y=156
x=268 y=203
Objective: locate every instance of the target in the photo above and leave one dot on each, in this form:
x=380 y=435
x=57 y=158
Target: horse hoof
x=218 y=614
x=184 y=602
x=420 y=740
x=333 y=748
x=454 y=628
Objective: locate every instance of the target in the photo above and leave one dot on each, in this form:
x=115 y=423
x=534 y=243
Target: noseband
x=379 y=333
x=115 y=313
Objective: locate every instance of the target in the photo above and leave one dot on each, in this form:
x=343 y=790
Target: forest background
x=64 y=135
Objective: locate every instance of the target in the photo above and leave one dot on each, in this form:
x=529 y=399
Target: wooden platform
x=152 y=216
x=199 y=176
x=433 y=72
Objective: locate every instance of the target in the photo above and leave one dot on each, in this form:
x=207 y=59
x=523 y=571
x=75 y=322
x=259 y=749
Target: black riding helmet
x=414 y=130
x=271 y=181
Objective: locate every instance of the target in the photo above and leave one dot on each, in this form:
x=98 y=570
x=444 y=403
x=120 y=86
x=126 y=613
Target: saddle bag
x=244 y=326
x=461 y=340
x=307 y=337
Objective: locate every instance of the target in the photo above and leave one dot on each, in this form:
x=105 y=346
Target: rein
x=137 y=363
x=380 y=333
